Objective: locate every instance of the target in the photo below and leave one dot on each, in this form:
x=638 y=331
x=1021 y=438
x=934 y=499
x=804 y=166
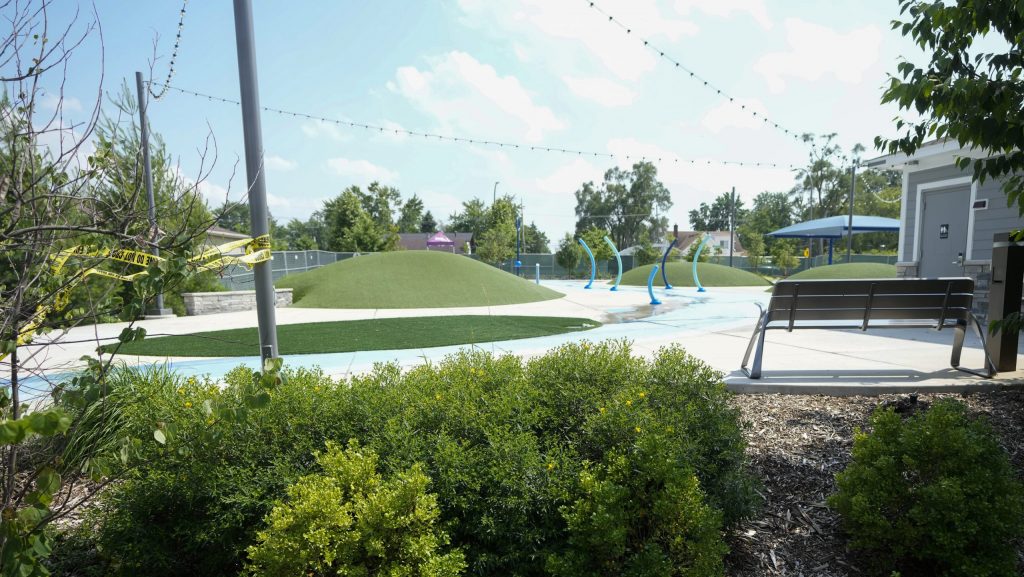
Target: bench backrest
x=938 y=300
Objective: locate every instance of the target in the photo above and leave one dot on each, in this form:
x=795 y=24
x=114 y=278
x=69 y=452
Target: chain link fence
x=239 y=277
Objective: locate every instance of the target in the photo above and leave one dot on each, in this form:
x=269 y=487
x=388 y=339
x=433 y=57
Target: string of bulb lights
x=174 y=56
x=696 y=77
x=478 y=141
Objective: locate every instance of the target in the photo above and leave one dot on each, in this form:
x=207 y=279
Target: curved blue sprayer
x=664 y=257
x=593 y=265
x=696 y=257
x=618 y=259
x=650 y=285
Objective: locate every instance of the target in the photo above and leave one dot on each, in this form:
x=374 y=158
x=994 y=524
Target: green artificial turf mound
x=409 y=280
x=681 y=274
x=362 y=335
x=850 y=270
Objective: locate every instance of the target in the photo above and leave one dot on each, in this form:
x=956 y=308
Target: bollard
x=538 y=273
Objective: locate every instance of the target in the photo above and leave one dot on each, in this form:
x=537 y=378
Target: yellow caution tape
x=257 y=250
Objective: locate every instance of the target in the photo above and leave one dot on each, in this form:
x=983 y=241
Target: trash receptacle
x=1004 y=298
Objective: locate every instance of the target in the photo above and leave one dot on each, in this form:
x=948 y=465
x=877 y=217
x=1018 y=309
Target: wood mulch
x=796 y=445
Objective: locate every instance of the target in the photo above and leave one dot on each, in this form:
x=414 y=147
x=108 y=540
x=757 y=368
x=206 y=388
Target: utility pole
x=849 y=224
x=732 y=221
x=494 y=193
x=254 y=170
x=158 y=309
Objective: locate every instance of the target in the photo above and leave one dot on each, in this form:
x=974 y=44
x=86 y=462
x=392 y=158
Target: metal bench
x=871 y=303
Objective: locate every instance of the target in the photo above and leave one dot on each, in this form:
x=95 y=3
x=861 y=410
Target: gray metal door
x=944 y=231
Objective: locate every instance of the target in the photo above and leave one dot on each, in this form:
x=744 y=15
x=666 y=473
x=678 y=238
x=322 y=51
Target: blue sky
x=537 y=72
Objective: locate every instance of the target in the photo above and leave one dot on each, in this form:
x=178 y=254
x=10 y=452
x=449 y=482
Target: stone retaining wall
x=229 y=301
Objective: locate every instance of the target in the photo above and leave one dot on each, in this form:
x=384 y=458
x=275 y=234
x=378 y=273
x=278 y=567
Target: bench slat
x=934 y=300
x=857 y=314
x=884 y=286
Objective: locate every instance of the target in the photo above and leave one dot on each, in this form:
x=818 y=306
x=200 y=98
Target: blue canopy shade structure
x=835 y=227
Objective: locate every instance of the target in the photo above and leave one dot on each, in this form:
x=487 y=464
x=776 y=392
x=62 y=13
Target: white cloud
x=364 y=170
x=600 y=90
x=623 y=54
x=318 y=128
x=469 y=97
x=274 y=201
x=279 y=163
x=568 y=178
x=736 y=114
x=816 y=50
x=65 y=103
x=756 y=9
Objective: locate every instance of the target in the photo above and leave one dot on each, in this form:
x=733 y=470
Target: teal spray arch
x=696 y=257
x=664 y=257
x=593 y=265
x=618 y=259
x=650 y=285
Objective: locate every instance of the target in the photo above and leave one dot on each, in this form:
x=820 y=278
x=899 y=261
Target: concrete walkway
x=714 y=326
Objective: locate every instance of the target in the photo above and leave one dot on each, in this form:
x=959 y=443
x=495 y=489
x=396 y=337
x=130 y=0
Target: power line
x=481 y=141
x=174 y=55
x=693 y=75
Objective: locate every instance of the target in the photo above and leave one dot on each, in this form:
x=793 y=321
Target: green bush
x=349 y=521
x=932 y=495
x=516 y=453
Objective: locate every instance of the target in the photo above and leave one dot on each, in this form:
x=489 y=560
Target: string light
x=480 y=141
x=693 y=75
x=174 y=55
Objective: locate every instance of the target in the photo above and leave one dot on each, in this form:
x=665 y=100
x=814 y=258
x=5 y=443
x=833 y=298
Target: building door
x=944 y=231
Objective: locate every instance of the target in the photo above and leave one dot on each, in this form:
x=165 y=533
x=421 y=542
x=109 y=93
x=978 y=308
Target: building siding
x=997 y=218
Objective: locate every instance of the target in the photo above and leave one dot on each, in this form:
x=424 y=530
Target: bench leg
x=759 y=331
x=958 y=345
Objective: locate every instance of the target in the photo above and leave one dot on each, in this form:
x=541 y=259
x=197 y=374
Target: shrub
x=515 y=452
x=349 y=521
x=932 y=495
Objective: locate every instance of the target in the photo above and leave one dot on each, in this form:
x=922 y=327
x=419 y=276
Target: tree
x=717 y=216
x=646 y=253
x=474 y=218
x=497 y=243
x=754 y=243
x=534 y=241
x=411 y=215
x=963 y=94
x=569 y=254
x=73 y=220
x=350 y=227
x=594 y=237
x=627 y=205
x=705 y=253
x=233 y=216
x=782 y=256
x=427 y=223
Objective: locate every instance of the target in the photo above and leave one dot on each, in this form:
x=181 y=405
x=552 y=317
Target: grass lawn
x=362 y=335
x=854 y=270
x=411 y=279
x=681 y=274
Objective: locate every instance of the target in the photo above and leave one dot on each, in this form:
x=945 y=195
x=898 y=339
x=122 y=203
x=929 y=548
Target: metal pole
x=263 y=277
x=849 y=224
x=494 y=192
x=158 y=305
x=732 y=221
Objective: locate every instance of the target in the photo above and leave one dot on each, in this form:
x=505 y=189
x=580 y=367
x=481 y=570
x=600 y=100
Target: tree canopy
x=627 y=204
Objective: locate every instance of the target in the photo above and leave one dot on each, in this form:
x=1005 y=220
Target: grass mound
x=409 y=280
x=681 y=274
x=362 y=335
x=847 y=271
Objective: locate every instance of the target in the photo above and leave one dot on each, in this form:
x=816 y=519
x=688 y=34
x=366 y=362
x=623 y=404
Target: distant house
x=454 y=242
x=216 y=236
x=719 y=241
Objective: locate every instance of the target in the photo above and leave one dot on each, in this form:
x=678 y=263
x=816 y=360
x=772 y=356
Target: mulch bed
x=796 y=445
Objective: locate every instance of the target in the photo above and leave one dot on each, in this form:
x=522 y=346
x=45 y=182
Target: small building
x=718 y=244
x=948 y=220
x=455 y=242
x=217 y=235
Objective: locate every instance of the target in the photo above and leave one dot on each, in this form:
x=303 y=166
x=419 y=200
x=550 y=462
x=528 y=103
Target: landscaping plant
x=932 y=495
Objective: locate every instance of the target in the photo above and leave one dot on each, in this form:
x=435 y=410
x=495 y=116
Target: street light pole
x=732 y=221
x=849 y=223
x=254 y=170
x=147 y=169
x=494 y=193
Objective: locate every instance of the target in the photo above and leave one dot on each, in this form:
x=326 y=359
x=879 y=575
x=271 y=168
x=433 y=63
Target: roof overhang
x=933 y=154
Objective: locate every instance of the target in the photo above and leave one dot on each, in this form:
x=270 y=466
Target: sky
x=541 y=73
